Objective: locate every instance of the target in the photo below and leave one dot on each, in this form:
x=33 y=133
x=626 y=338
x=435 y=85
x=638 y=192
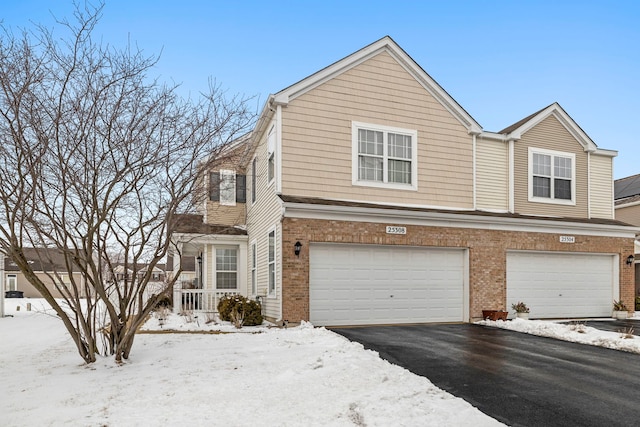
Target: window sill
x=376 y=184
x=547 y=201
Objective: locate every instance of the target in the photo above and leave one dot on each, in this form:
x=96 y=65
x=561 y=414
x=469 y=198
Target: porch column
x=177 y=286
x=1 y=284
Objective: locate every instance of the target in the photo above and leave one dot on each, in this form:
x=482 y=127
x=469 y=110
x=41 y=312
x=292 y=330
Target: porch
x=199 y=300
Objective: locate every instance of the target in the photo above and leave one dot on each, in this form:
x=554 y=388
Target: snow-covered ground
x=577 y=331
x=301 y=376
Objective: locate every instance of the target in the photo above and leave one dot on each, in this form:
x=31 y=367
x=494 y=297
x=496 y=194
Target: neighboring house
x=367 y=195
x=627 y=205
x=44 y=263
x=158 y=274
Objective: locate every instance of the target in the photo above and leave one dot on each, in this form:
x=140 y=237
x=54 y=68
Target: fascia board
x=303 y=86
x=492 y=136
x=627 y=205
x=439 y=219
x=569 y=124
x=605 y=152
x=200 y=238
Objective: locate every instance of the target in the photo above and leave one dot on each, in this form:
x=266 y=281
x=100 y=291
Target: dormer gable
x=516 y=130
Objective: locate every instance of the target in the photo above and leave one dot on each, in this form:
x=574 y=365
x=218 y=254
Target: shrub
x=520 y=307
x=619 y=306
x=233 y=308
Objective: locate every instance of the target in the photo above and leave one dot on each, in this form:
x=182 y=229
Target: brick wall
x=487 y=256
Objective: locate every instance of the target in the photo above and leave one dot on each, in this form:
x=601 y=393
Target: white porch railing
x=199 y=300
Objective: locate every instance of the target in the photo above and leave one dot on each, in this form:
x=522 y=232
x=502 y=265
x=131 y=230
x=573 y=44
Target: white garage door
x=557 y=285
x=362 y=284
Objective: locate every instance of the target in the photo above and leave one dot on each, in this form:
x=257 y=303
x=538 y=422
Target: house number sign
x=567 y=239
x=392 y=229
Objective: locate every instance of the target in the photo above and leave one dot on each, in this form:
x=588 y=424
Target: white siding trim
x=588 y=184
x=278 y=157
x=474 y=167
x=512 y=176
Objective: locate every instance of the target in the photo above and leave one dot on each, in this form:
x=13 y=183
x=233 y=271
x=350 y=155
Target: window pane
x=370 y=168
x=370 y=142
x=399 y=146
x=562 y=167
x=226 y=259
x=227 y=187
x=272 y=277
x=541 y=186
x=226 y=280
x=400 y=171
x=271 y=167
x=562 y=189
x=254 y=175
x=541 y=164
x=272 y=246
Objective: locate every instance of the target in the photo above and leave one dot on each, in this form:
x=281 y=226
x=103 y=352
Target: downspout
x=511 y=176
x=588 y=184
x=475 y=202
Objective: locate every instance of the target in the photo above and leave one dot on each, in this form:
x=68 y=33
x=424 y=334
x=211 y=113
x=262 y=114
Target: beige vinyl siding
x=601 y=196
x=629 y=214
x=49 y=280
x=262 y=216
x=549 y=134
x=317 y=132
x=492 y=175
x=225 y=215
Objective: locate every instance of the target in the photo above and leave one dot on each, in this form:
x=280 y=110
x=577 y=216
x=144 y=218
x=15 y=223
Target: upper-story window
x=254 y=179
x=227 y=187
x=384 y=156
x=551 y=176
x=271 y=152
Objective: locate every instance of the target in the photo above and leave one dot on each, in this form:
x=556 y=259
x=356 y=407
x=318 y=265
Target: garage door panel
x=361 y=284
x=561 y=284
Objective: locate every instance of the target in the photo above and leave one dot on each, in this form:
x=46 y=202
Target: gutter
x=454 y=220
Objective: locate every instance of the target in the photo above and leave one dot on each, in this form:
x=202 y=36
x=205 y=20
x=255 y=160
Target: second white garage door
x=560 y=285
x=362 y=284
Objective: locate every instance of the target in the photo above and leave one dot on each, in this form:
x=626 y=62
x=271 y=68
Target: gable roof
x=388 y=45
x=628 y=187
x=41 y=259
x=194 y=224
x=516 y=130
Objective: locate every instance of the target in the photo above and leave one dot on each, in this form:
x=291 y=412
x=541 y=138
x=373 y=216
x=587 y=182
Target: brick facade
x=487 y=256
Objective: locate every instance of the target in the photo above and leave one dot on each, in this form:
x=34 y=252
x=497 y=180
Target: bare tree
x=97 y=159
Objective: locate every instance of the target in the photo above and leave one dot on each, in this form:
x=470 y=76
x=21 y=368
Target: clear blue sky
x=501 y=60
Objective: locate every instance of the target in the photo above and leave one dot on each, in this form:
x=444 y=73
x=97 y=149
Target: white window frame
x=272 y=281
x=254 y=267
x=216 y=271
x=9 y=281
x=231 y=191
x=355 y=126
x=551 y=199
x=254 y=180
x=271 y=155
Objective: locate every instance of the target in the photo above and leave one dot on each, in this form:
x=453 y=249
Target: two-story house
x=367 y=195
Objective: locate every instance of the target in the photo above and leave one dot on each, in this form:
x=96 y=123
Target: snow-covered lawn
x=301 y=376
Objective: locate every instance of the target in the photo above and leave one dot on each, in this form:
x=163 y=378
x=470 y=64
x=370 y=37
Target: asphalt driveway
x=519 y=379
